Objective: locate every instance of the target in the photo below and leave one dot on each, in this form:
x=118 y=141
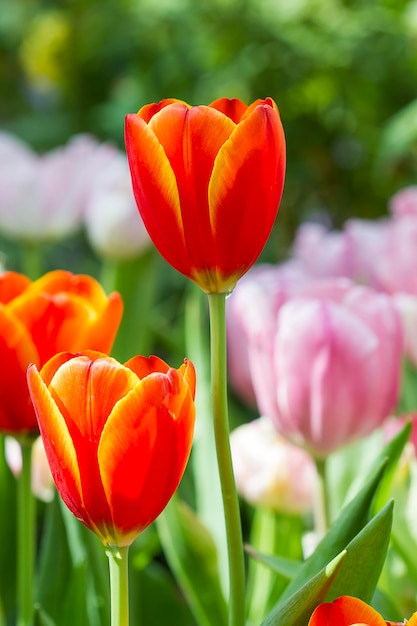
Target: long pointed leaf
x=365 y=556
x=296 y=610
x=191 y=553
x=350 y=522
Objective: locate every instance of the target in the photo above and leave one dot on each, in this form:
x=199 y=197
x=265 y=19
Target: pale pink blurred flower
x=270 y=471
x=367 y=244
x=115 y=229
x=323 y=252
x=406 y=305
x=43 y=197
x=396 y=267
x=326 y=365
x=42 y=481
x=273 y=282
x=404 y=202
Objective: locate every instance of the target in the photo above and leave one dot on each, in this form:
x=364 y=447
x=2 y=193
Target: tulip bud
x=270 y=471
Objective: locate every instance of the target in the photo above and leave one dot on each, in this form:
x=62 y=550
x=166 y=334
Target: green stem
x=136 y=281
x=208 y=495
x=321 y=503
x=119 y=585
x=32 y=261
x=25 y=537
x=217 y=305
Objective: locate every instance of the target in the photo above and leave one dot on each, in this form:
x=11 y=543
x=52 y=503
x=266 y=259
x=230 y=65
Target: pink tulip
x=114 y=229
x=404 y=202
x=43 y=197
x=406 y=305
x=270 y=471
x=326 y=365
x=323 y=252
x=396 y=266
x=272 y=282
x=367 y=244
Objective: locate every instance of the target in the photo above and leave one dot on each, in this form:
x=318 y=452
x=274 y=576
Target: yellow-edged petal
x=155 y=190
x=244 y=192
x=144 y=449
x=59 y=447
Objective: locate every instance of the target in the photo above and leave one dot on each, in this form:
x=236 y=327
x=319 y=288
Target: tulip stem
x=25 y=537
x=32 y=260
x=217 y=307
x=119 y=585
x=321 y=504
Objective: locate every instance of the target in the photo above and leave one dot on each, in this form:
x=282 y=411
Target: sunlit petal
x=155 y=190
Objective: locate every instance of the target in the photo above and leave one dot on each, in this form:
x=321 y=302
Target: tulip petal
x=188 y=372
x=242 y=214
x=59 y=447
x=149 y=110
x=192 y=139
x=85 y=391
x=143 y=366
x=62 y=281
x=153 y=423
x=346 y=611
x=156 y=191
x=63 y=311
x=12 y=285
x=326 y=343
x=232 y=107
x=17 y=351
x=101 y=332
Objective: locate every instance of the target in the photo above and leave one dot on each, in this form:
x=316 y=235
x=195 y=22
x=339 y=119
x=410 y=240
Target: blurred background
x=344 y=76
x=343 y=73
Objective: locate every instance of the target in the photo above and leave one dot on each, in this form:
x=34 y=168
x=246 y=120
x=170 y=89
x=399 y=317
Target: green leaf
x=276 y=552
x=191 y=554
x=136 y=281
x=8 y=535
x=350 y=522
x=54 y=563
x=297 y=609
x=392 y=452
x=398 y=137
x=40 y=618
x=155 y=598
x=278 y=564
x=408 y=398
x=73 y=582
x=365 y=556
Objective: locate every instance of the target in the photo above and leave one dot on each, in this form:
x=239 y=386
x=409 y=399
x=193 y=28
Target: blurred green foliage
x=343 y=72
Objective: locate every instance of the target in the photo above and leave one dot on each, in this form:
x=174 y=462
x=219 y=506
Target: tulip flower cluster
x=59 y=311
x=84 y=183
x=316 y=347
x=380 y=253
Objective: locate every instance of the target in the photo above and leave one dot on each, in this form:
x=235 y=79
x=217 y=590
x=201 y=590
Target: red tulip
x=117 y=437
x=208 y=182
x=346 y=611
x=350 y=611
x=60 y=311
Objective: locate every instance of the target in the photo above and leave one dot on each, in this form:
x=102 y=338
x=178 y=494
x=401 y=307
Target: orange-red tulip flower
x=117 y=437
x=208 y=182
x=350 y=611
x=60 y=311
